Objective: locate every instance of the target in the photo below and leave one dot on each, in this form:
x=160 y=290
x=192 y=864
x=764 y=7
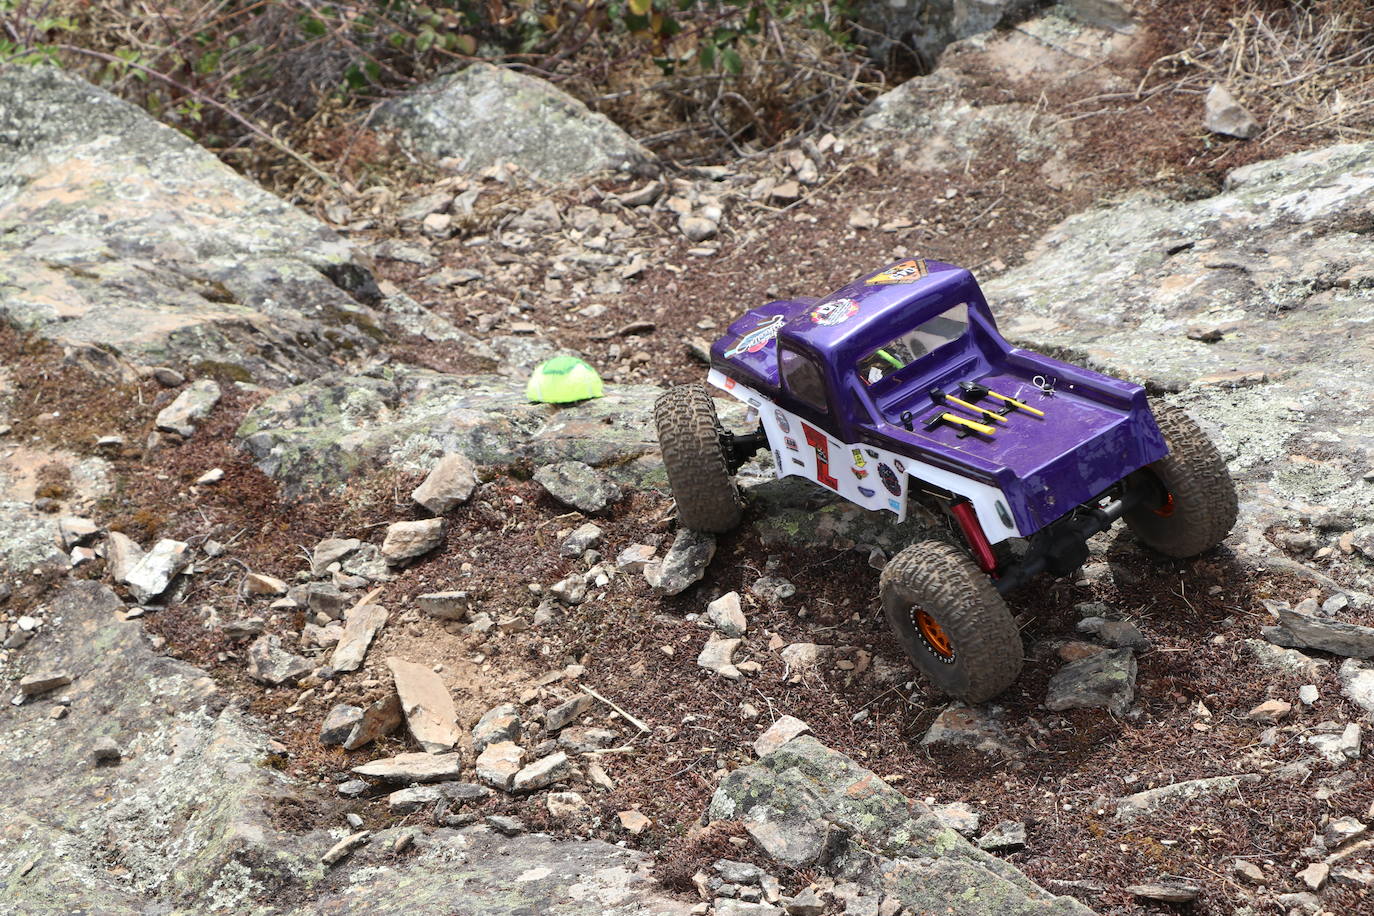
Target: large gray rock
x=120 y=232
x=487 y=115
x=890 y=27
x=1297 y=630
x=808 y=806
x=319 y=433
x=1278 y=265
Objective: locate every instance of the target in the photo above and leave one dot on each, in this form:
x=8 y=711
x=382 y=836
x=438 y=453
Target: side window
x=802 y=377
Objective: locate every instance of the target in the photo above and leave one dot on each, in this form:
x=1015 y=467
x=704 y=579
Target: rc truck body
x=898 y=393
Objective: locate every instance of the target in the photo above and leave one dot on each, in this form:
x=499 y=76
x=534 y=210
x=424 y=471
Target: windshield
x=906 y=348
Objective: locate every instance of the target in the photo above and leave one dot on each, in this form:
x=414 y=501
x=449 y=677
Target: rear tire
x=954 y=625
x=690 y=437
x=1198 y=508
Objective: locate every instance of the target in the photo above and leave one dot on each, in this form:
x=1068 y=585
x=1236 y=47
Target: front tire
x=1196 y=506
x=691 y=439
x=951 y=621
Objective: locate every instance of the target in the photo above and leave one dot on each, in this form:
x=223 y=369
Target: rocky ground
x=307 y=609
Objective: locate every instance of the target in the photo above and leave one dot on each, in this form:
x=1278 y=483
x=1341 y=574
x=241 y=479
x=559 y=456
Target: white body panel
x=868 y=476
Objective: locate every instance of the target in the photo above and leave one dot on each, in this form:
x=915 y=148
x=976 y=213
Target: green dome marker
x=563 y=380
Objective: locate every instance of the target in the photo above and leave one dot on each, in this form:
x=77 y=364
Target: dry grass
x=1301 y=67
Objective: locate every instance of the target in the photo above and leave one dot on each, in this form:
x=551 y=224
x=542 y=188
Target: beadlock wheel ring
x=933 y=635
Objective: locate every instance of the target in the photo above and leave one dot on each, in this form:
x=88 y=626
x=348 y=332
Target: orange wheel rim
x=1167 y=509
x=934 y=635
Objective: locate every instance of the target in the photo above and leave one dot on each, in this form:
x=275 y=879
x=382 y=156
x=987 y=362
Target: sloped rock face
x=184 y=816
x=1274 y=271
x=927 y=26
x=487 y=115
x=188 y=820
x=317 y=434
x=120 y=232
x=811 y=807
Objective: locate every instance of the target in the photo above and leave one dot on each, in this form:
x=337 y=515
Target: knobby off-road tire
x=983 y=653
x=1199 y=507
x=689 y=434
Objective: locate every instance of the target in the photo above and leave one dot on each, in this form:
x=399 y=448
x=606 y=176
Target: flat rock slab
x=977 y=728
x=779 y=733
x=270 y=664
x=427 y=704
x=1151 y=800
x=1297 y=630
x=406 y=541
x=1105 y=680
x=808 y=806
x=318 y=434
x=154 y=571
x=361 y=625
x=379 y=719
x=486 y=115
x=413 y=768
x=122 y=233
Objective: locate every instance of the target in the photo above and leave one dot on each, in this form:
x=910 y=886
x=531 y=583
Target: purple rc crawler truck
x=898 y=393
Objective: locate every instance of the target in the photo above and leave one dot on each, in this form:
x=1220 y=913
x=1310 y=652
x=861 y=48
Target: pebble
x=1308 y=694
x=105 y=750
x=1249 y=871
x=1315 y=875
x=353 y=788
x=718 y=656
x=726 y=615
x=634 y=821
x=1270 y=711
x=407 y=540
x=341 y=849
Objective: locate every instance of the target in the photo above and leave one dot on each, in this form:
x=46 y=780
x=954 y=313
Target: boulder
x=319 y=434
x=486 y=115
x=808 y=806
x=122 y=233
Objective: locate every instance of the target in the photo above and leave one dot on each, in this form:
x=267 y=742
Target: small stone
x=1357 y=684
x=578 y=485
x=407 y=540
x=354 y=820
x=58 y=712
x=427 y=705
x=1338 y=748
x=779 y=733
x=565 y=805
x=859 y=218
x=404 y=801
x=1248 y=871
x=565 y=714
x=210 y=477
x=542 y=773
x=339 y=723
x=498 y=763
x=105 y=750
x=1106 y=680
x=73 y=531
x=168 y=378
x=500 y=723
x=340 y=850
x=191 y=406
x=413 y=768
x=785 y=192
x=696 y=228
x=1308 y=694
x=449 y=484
x=444 y=605
x=684 y=564
x=959 y=817
x=772 y=589
x=634 y=558
x=586 y=537
x=324 y=598
x=270 y=664
x=1115 y=633
x=330 y=551
x=154 y=571
x=38 y=684
x=966 y=726
x=634 y=821
x=379 y=719
x=353 y=788
x=1269 y=712
x=1315 y=875
x=800 y=655
x=718 y=655
x=1166 y=892
x=361 y=625
x=1342 y=831
x=1222 y=114
x=261 y=584
x=1006 y=836
x=726 y=615
x=505 y=825
x=733 y=872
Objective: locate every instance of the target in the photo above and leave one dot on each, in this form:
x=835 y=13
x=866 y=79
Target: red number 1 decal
x=817 y=440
